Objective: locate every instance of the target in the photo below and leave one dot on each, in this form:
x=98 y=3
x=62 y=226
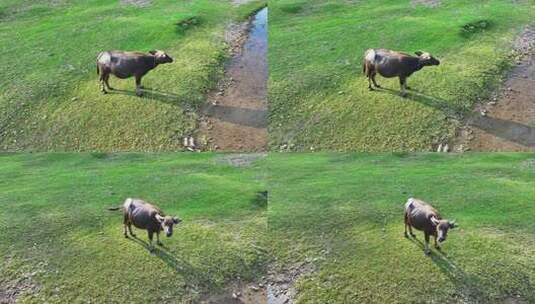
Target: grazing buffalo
x=424 y=217
x=146 y=216
x=127 y=64
x=394 y=64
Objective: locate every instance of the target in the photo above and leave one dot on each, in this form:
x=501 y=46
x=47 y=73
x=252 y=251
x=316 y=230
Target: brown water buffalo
x=394 y=64
x=127 y=64
x=424 y=217
x=146 y=216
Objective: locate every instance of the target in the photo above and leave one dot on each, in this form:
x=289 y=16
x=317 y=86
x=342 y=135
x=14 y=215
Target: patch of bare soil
x=235 y=116
x=428 y=3
x=240 y=294
x=240 y=160
x=506 y=122
x=281 y=284
x=513 y=300
x=138 y=3
x=12 y=290
x=240 y=2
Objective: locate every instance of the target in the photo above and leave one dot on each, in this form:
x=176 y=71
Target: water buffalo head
x=426 y=58
x=167 y=223
x=161 y=56
x=442 y=228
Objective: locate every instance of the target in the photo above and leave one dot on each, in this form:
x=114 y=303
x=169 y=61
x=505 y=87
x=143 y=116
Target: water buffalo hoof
x=160 y=244
x=427 y=252
x=378 y=86
x=133 y=235
x=139 y=94
x=413 y=235
x=371 y=89
x=126 y=236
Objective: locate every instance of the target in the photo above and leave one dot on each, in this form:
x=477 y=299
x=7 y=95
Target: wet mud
x=506 y=122
x=235 y=115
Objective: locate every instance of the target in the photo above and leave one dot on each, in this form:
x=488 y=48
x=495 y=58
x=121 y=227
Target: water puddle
x=235 y=116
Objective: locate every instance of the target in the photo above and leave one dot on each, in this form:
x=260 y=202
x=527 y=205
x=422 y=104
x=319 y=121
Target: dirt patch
x=240 y=2
x=428 y=3
x=235 y=116
x=506 y=122
x=240 y=160
x=514 y=300
x=12 y=290
x=281 y=284
x=240 y=294
x=138 y=3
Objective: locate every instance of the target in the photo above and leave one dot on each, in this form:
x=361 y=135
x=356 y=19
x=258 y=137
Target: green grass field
x=319 y=98
x=343 y=217
x=59 y=243
x=50 y=98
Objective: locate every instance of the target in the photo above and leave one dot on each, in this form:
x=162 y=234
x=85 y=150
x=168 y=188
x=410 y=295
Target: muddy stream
x=235 y=116
x=506 y=122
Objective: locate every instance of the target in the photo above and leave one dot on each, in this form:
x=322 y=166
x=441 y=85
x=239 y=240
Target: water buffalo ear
x=152 y=52
x=418 y=53
x=453 y=224
x=176 y=220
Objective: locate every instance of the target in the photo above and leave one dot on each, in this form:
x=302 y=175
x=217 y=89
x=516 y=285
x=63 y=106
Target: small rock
x=254 y=288
x=492 y=103
x=234 y=295
x=483 y=112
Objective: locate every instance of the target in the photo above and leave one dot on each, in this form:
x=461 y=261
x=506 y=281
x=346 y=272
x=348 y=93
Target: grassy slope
x=63 y=239
x=50 y=98
x=344 y=214
x=319 y=97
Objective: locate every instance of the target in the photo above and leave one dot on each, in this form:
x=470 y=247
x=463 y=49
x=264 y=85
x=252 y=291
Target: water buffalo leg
x=130 y=229
x=408 y=224
x=138 y=86
x=158 y=239
x=403 y=85
x=125 y=224
x=373 y=79
x=150 y=233
x=106 y=81
x=101 y=82
x=437 y=246
x=426 y=244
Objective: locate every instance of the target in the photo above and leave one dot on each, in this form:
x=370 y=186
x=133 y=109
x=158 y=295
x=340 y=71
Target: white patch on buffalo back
x=409 y=203
x=370 y=55
x=127 y=203
x=104 y=58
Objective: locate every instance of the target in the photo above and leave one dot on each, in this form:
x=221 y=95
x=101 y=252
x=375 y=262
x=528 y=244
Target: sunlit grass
x=319 y=97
